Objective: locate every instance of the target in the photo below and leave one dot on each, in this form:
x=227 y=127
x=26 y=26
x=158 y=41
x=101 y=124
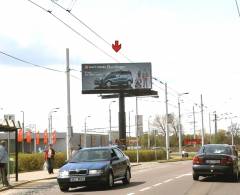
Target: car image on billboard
x=115 y=79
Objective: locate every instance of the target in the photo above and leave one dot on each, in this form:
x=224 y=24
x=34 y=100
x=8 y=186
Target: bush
x=145 y=155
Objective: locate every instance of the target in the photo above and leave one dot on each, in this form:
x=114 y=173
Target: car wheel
x=110 y=180
x=195 y=176
x=127 y=177
x=235 y=177
x=64 y=188
x=108 y=84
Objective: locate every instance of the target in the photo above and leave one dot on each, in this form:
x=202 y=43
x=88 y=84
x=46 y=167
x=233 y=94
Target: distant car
x=184 y=154
x=216 y=160
x=98 y=165
x=115 y=79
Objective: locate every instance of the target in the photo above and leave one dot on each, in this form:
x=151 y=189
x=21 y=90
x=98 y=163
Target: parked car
x=98 y=165
x=115 y=79
x=216 y=160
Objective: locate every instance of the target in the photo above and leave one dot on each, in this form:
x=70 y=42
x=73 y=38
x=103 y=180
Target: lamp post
x=179 y=123
x=149 y=132
x=50 y=123
x=129 y=126
x=85 y=132
x=22 y=130
x=110 y=123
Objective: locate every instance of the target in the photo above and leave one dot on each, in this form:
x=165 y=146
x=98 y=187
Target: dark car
x=216 y=160
x=115 y=79
x=98 y=165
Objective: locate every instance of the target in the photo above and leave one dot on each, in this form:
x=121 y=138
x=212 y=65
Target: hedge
x=145 y=155
x=35 y=161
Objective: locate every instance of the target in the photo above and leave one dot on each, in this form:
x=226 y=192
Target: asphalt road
x=152 y=178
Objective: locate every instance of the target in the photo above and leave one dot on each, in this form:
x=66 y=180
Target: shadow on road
x=218 y=179
x=116 y=186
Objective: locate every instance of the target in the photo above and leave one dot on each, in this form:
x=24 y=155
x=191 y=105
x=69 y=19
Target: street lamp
x=149 y=132
x=110 y=125
x=179 y=123
x=50 y=123
x=22 y=130
x=85 y=133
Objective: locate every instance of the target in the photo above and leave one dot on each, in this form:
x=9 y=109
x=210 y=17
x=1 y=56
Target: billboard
x=99 y=78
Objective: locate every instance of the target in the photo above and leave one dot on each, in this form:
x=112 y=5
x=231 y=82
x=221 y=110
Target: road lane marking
x=180 y=176
x=157 y=184
x=166 y=181
x=130 y=193
x=144 y=189
x=183 y=175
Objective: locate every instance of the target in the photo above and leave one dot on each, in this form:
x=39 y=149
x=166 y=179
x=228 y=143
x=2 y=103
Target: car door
x=122 y=162
x=115 y=164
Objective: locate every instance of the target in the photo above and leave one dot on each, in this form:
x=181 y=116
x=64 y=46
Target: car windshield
x=86 y=155
x=216 y=149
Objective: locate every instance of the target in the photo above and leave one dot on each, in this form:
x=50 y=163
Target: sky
x=193 y=46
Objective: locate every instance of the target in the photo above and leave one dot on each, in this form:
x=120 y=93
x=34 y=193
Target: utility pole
x=167 y=129
x=22 y=130
x=149 y=132
x=210 y=128
x=194 y=126
x=215 y=119
x=202 y=121
x=110 y=123
x=179 y=128
x=136 y=121
x=232 y=132
x=69 y=124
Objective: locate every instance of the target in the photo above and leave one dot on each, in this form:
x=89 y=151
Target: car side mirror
x=65 y=162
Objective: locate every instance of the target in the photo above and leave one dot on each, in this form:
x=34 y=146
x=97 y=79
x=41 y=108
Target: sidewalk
x=28 y=177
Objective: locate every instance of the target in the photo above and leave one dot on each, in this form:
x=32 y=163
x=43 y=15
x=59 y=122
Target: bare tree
x=159 y=124
x=160 y=121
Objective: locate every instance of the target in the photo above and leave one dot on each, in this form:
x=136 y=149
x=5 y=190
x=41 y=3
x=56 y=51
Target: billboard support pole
x=122 y=120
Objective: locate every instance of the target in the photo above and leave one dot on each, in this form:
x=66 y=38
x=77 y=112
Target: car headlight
x=95 y=172
x=63 y=174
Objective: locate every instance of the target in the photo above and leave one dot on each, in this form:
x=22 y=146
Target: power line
x=237 y=8
x=88 y=27
x=26 y=62
x=75 y=31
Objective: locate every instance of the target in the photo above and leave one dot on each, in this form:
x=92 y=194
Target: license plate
x=74 y=179
x=213 y=161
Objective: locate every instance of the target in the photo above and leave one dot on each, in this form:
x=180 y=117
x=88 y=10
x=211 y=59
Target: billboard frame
x=93 y=76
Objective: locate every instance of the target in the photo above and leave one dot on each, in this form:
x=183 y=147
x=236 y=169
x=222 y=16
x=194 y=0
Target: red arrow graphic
x=116 y=46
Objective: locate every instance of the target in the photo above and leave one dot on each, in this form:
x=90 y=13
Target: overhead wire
x=88 y=27
x=75 y=31
x=27 y=62
x=237 y=7
x=36 y=65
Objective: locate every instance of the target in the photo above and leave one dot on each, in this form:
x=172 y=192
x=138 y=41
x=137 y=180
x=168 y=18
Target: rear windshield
x=216 y=149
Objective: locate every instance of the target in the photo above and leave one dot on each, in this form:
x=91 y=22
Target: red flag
x=45 y=137
x=37 y=138
x=28 y=137
x=20 y=135
x=54 y=137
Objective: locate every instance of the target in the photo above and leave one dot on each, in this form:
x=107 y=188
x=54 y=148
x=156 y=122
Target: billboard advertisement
x=98 y=78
